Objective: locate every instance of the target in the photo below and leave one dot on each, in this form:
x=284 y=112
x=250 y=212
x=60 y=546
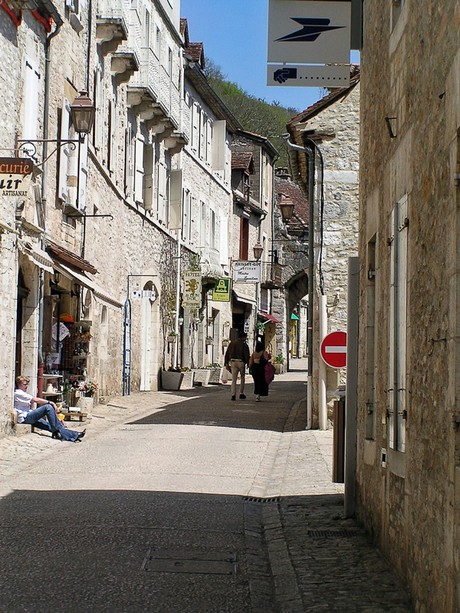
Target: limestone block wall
x=407 y=493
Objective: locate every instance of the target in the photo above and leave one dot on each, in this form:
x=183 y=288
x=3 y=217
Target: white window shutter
x=83 y=180
x=148 y=177
x=139 y=170
x=31 y=85
x=175 y=200
x=223 y=237
x=63 y=188
x=218 y=145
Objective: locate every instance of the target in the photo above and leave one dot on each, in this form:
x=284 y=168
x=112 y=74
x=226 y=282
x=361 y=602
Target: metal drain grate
x=208 y=563
x=321 y=534
x=261 y=500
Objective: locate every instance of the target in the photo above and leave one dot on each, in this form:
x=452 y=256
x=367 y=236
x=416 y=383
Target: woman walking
x=257 y=363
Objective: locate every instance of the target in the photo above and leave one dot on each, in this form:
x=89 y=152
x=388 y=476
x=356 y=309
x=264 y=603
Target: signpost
x=334 y=349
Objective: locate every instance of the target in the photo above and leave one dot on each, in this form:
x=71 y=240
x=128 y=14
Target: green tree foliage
x=254 y=114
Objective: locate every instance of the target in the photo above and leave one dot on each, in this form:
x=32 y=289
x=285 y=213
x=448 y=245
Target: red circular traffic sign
x=334 y=349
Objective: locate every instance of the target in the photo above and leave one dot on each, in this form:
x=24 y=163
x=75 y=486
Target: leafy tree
x=254 y=114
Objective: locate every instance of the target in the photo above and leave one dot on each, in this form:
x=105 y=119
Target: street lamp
x=286 y=206
x=82 y=112
x=258 y=250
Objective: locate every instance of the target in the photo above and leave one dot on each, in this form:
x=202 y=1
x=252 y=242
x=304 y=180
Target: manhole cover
x=208 y=563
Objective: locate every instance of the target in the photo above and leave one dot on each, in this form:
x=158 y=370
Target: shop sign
x=221 y=291
x=14 y=176
x=246 y=272
x=192 y=289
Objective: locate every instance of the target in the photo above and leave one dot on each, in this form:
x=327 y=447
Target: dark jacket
x=237 y=350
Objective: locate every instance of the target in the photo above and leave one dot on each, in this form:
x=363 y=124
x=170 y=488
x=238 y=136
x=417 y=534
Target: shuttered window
x=397 y=391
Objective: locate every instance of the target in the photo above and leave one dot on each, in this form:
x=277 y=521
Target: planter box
x=85 y=404
x=201 y=376
x=215 y=377
x=279 y=368
x=174 y=381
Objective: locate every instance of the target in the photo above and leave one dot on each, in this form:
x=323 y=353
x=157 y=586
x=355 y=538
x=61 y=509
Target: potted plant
x=177 y=379
x=209 y=340
x=171 y=337
x=225 y=342
x=215 y=373
x=278 y=362
x=201 y=376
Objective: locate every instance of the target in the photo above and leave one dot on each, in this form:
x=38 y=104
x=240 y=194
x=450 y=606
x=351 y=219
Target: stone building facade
x=333 y=124
x=95 y=251
x=408 y=434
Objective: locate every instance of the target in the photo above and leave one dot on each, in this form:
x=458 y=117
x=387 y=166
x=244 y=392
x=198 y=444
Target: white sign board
x=309 y=32
x=304 y=36
x=246 y=272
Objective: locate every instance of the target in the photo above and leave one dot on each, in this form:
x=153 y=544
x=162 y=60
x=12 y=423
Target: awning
x=37 y=256
x=269 y=317
x=87 y=282
x=242 y=298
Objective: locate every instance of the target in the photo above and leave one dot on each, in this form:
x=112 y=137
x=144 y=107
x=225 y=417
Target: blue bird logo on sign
x=312 y=27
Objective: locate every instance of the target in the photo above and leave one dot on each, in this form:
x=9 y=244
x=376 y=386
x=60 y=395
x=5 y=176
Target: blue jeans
x=36 y=418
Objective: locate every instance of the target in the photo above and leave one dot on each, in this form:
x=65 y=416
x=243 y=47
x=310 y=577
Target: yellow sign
x=192 y=289
x=221 y=291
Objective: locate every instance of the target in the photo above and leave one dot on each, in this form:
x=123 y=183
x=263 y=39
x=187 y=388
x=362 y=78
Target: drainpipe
x=42 y=214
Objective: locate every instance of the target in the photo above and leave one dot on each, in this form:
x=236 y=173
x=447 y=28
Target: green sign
x=221 y=291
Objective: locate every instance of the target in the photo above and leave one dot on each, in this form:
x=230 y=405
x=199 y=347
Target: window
x=397 y=326
x=72 y=179
x=244 y=238
x=187 y=217
x=371 y=318
x=31 y=84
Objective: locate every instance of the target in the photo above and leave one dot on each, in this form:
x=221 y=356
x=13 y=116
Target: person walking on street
x=32 y=410
x=236 y=359
x=257 y=363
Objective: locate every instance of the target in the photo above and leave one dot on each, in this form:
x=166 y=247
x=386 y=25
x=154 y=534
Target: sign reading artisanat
x=246 y=272
x=192 y=289
x=14 y=174
x=221 y=291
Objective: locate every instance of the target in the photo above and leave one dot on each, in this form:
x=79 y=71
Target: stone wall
x=407 y=480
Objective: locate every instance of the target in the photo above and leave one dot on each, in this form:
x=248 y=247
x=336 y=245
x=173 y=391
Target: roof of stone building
x=331 y=98
x=195 y=51
x=242 y=160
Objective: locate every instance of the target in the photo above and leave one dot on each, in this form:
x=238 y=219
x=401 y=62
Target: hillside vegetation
x=254 y=114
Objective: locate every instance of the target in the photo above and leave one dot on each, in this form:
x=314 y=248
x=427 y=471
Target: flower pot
x=173 y=381
x=215 y=375
x=85 y=404
x=201 y=376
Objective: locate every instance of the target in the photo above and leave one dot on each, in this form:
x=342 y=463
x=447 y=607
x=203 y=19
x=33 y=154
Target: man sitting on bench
x=32 y=410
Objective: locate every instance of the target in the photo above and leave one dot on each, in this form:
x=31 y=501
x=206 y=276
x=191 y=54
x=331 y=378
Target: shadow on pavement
x=172 y=551
x=212 y=406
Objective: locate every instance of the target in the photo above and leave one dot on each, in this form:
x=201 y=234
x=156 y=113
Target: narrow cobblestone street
x=186 y=502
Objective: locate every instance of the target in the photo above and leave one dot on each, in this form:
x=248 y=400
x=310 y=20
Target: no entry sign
x=334 y=349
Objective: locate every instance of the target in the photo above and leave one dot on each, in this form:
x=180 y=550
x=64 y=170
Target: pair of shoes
x=56 y=435
x=233 y=397
x=242 y=397
x=81 y=435
x=258 y=399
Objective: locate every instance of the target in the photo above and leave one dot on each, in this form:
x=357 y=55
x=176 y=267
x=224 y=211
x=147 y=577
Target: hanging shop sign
x=309 y=43
x=14 y=176
x=221 y=291
x=246 y=272
x=192 y=289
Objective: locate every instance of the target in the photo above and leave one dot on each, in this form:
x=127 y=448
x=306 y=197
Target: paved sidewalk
x=315 y=560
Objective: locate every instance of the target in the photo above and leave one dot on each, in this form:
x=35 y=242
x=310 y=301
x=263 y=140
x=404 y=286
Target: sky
x=234 y=34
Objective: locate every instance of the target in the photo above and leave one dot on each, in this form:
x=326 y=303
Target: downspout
x=42 y=213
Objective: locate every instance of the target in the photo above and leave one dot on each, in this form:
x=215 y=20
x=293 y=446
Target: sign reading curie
x=246 y=272
x=14 y=176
